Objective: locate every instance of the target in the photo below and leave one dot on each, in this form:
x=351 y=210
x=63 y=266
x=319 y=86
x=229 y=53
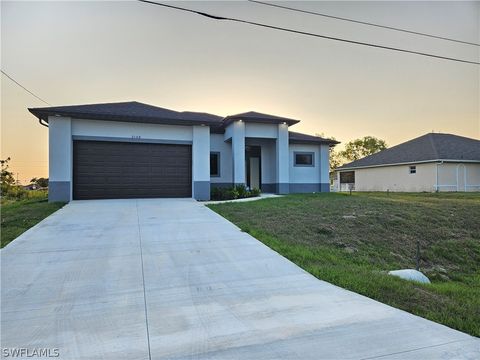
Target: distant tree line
x=356 y=149
x=10 y=189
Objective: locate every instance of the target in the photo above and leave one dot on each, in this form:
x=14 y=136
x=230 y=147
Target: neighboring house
x=135 y=150
x=432 y=162
x=30 y=187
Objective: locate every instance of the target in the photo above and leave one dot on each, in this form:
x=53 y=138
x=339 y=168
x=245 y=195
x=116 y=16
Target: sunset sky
x=93 y=52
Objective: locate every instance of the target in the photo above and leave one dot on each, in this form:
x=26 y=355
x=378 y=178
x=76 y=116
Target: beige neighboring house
x=432 y=162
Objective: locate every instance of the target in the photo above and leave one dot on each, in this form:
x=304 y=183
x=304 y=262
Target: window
x=347 y=177
x=303 y=158
x=214 y=164
x=413 y=169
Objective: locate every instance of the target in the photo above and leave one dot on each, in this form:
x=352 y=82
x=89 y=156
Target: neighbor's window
x=347 y=177
x=413 y=169
x=214 y=164
x=303 y=159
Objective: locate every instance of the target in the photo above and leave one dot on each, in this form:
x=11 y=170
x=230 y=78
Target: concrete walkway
x=170 y=279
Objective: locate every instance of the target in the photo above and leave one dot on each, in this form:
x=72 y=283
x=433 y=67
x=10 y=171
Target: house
x=135 y=150
x=432 y=162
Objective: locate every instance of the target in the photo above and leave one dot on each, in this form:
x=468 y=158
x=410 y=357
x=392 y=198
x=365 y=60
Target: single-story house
x=432 y=162
x=135 y=150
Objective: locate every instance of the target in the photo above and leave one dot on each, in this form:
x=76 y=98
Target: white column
x=282 y=160
x=238 y=152
x=60 y=157
x=201 y=162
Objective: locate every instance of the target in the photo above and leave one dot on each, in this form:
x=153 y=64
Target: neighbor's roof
x=296 y=137
x=131 y=111
x=259 y=117
x=429 y=147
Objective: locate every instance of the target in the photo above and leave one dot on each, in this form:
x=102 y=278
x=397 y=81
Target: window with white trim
x=303 y=158
x=412 y=169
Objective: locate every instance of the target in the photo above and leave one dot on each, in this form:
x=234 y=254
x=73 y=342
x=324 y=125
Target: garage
x=120 y=170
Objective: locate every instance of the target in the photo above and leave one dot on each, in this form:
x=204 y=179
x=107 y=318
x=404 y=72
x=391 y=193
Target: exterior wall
x=305 y=179
x=238 y=151
x=201 y=162
x=60 y=158
x=217 y=144
x=396 y=178
x=259 y=130
x=129 y=131
x=450 y=177
x=63 y=130
x=278 y=173
x=283 y=182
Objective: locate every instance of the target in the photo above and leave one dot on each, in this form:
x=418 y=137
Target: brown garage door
x=116 y=170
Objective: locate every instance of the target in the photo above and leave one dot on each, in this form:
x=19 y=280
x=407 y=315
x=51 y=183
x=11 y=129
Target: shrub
x=255 y=192
x=231 y=193
x=241 y=190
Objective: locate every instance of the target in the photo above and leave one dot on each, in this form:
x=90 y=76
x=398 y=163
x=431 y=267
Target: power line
x=215 y=17
x=364 y=22
x=24 y=88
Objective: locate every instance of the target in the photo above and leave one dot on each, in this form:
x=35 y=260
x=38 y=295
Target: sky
x=104 y=51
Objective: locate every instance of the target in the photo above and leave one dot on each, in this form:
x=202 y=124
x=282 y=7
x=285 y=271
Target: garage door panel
x=105 y=170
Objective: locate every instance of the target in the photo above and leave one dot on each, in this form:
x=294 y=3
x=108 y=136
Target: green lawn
x=353 y=240
x=20 y=215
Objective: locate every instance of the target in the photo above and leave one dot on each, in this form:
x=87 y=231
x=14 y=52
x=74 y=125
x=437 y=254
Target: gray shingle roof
x=429 y=147
x=259 y=117
x=295 y=137
x=134 y=111
x=131 y=111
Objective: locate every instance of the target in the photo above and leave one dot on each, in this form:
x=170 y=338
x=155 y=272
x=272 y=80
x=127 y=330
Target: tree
x=40 y=182
x=7 y=178
x=359 y=148
x=335 y=159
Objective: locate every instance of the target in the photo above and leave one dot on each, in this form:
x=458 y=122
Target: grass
x=354 y=240
x=20 y=215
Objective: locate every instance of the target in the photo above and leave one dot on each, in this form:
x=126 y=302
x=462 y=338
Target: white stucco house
x=432 y=162
x=135 y=150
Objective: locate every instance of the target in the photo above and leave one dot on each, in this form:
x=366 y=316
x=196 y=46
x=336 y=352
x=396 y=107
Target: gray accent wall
x=201 y=190
x=269 y=188
x=283 y=188
x=220 y=185
x=59 y=191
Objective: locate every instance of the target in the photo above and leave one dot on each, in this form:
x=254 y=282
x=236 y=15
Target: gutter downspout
x=40 y=121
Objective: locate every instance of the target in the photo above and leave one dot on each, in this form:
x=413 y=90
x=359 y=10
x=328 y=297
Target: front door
x=254 y=173
x=253 y=166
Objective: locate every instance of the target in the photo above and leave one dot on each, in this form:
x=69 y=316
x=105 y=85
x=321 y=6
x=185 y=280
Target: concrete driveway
x=168 y=279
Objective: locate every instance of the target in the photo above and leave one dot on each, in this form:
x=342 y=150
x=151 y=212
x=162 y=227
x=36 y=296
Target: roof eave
x=330 y=143
x=407 y=163
x=229 y=119
x=43 y=115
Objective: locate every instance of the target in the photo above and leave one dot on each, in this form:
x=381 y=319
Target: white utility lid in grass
x=410 y=274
